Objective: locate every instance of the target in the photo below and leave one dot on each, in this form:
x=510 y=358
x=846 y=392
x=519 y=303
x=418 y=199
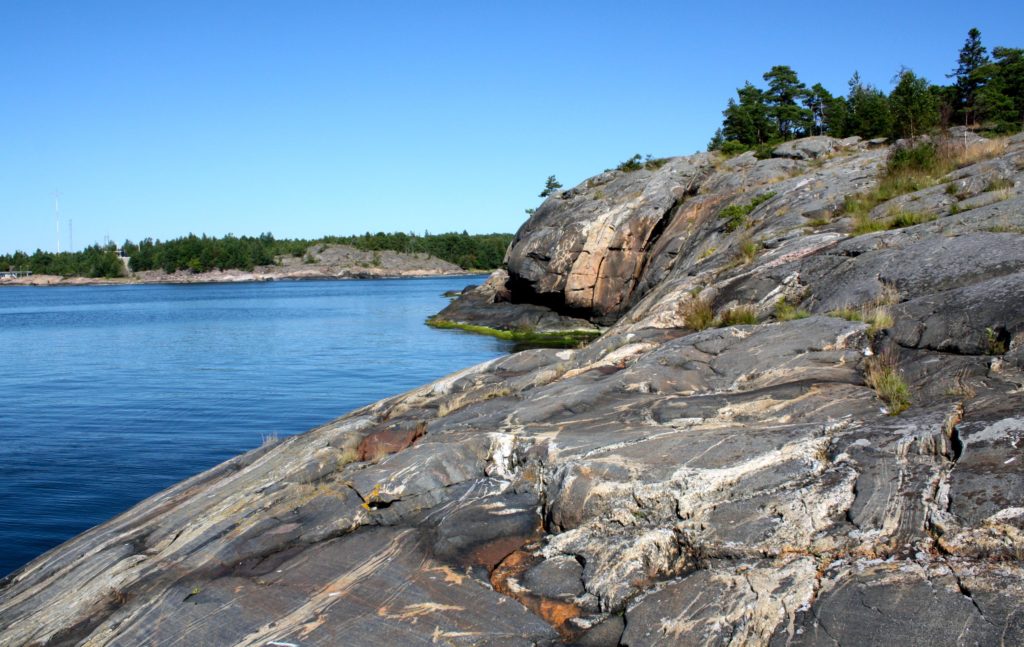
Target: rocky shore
x=321 y=262
x=802 y=424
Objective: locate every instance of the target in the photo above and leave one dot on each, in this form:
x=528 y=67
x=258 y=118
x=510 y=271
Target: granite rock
x=671 y=482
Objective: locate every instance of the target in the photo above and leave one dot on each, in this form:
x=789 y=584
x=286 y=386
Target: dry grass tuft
x=737 y=316
x=874 y=313
x=889 y=295
x=747 y=250
x=697 y=313
x=786 y=311
x=954 y=153
x=911 y=169
x=883 y=375
x=879 y=319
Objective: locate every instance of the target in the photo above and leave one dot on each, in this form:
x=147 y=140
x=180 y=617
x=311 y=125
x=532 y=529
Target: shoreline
x=230 y=276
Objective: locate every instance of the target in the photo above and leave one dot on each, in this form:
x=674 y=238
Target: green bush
x=630 y=165
x=736 y=215
x=920 y=158
x=653 y=164
x=732 y=148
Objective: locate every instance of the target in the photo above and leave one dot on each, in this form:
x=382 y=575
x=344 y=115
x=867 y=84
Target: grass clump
x=747 y=251
x=786 y=311
x=737 y=316
x=848 y=313
x=993 y=344
x=525 y=337
x=877 y=317
x=906 y=219
x=998 y=184
x=736 y=215
x=957 y=156
x=883 y=375
x=863 y=223
x=1005 y=229
x=697 y=313
x=912 y=168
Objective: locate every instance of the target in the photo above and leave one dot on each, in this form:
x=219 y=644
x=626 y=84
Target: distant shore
x=334 y=262
x=227 y=276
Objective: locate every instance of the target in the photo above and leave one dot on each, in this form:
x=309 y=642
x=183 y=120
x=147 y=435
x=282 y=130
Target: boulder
x=807 y=148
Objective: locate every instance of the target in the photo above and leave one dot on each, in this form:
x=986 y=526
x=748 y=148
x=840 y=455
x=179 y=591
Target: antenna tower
x=56 y=216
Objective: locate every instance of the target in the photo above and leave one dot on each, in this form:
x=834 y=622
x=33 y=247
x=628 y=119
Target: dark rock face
x=490 y=305
x=736 y=485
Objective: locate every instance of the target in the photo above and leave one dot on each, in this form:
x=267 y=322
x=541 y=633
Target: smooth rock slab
x=903 y=603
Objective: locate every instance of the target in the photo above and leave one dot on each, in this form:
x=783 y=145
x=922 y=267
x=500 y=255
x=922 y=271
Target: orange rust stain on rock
x=555 y=612
x=489 y=555
x=512 y=566
x=391 y=439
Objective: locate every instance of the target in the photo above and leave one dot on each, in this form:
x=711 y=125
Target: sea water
x=109 y=394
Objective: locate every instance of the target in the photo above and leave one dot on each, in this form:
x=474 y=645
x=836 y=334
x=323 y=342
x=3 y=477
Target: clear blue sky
x=309 y=118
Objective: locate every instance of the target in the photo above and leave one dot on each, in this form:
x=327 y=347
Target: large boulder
x=808 y=148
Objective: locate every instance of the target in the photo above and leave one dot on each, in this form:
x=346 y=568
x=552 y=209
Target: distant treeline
x=205 y=253
x=468 y=251
x=94 y=261
x=987 y=94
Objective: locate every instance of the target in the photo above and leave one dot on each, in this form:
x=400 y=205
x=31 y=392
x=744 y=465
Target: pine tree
x=1000 y=101
x=784 y=90
x=818 y=100
x=747 y=122
x=717 y=140
x=550 y=186
x=868 y=114
x=968 y=82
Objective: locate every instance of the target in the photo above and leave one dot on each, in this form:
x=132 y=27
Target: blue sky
x=309 y=118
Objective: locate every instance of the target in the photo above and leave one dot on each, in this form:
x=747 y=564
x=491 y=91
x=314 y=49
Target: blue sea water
x=109 y=394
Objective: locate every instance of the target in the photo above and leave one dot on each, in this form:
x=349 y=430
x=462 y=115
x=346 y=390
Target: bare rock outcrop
x=721 y=467
x=585 y=249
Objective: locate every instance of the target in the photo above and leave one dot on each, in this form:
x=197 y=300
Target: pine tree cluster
x=987 y=94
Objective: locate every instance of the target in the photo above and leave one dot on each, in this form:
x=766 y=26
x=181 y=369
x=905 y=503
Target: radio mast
x=56 y=215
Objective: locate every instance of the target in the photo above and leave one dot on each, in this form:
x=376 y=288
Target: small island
x=231 y=259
